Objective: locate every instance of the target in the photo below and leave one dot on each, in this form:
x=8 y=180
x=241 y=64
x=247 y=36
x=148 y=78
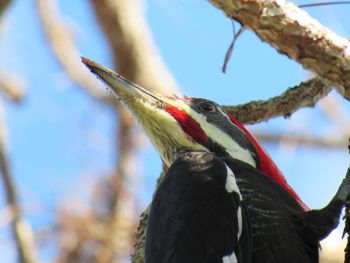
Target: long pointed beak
x=121 y=87
x=162 y=118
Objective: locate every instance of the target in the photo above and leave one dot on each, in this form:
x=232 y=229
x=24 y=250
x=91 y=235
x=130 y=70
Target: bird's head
x=177 y=125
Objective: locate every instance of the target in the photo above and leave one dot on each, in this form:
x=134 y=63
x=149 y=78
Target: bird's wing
x=194 y=219
x=277 y=236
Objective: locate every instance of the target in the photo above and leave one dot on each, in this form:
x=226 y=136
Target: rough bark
x=293 y=32
x=306 y=94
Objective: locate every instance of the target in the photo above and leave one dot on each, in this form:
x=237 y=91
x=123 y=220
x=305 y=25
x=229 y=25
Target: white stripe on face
x=245 y=155
x=216 y=134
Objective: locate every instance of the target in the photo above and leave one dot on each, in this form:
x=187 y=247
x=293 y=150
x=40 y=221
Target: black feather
x=193 y=218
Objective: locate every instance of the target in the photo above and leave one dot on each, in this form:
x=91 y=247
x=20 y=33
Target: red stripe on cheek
x=188 y=124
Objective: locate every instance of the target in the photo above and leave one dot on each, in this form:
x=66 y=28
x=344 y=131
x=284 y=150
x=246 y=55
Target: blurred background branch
x=65 y=50
x=12 y=87
x=3 y=6
x=21 y=229
x=338 y=141
x=134 y=53
x=135 y=58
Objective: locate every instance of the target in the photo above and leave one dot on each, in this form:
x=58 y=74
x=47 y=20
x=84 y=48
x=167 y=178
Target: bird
x=222 y=198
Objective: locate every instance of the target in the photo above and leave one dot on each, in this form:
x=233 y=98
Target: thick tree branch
x=293 y=32
x=306 y=94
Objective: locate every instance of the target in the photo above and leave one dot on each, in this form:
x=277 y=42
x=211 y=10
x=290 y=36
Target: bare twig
x=324 y=4
x=305 y=94
x=21 y=229
x=293 y=32
x=231 y=46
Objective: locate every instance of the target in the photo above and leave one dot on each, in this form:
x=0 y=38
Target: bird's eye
x=207 y=107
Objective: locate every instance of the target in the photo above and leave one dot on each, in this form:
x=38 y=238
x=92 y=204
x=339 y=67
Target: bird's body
x=193 y=190
x=193 y=220
x=223 y=199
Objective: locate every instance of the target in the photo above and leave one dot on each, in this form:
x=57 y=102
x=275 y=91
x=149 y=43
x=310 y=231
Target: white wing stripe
x=240 y=223
x=231 y=185
x=230 y=259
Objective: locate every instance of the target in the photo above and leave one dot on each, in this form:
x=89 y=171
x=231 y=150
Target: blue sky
x=59 y=138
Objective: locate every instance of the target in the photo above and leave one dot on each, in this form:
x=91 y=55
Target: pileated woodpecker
x=222 y=199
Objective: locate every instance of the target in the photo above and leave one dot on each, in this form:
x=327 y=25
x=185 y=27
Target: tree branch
x=134 y=52
x=293 y=32
x=303 y=140
x=65 y=51
x=11 y=86
x=4 y=4
x=136 y=58
x=20 y=228
x=306 y=94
